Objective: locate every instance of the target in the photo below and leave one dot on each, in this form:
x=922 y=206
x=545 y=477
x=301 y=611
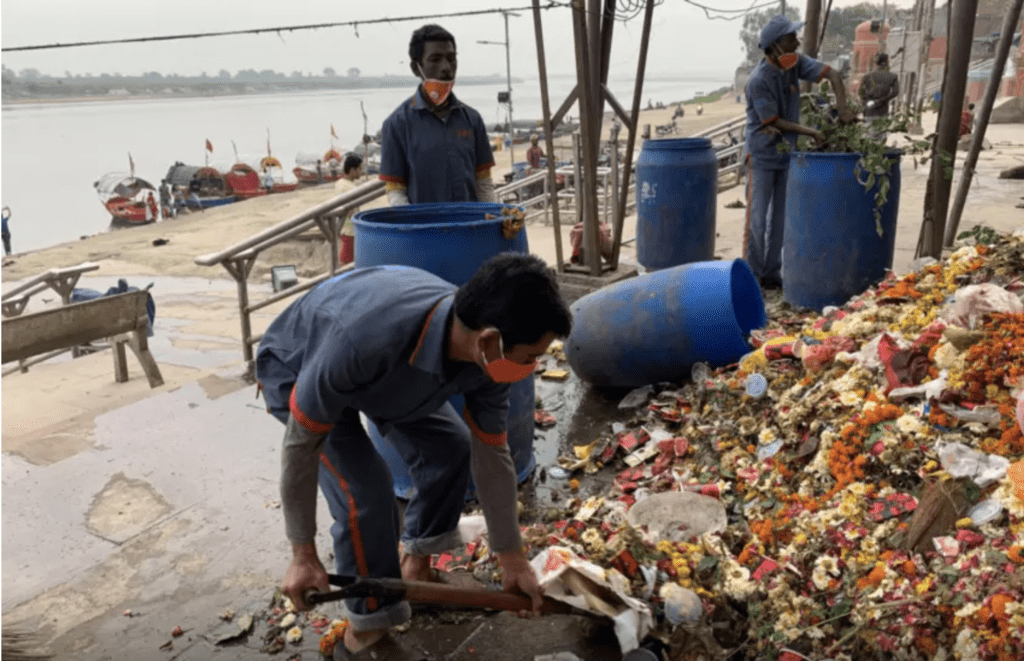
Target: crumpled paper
x=568 y=578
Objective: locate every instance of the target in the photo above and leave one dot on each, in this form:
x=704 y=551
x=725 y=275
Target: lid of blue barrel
x=678 y=143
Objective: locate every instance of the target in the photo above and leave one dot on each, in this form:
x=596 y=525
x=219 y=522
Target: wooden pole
x=812 y=39
x=960 y=41
x=549 y=138
x=926 y=46
x=634 y=127
x=994 y=80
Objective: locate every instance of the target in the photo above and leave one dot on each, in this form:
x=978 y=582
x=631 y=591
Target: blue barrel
x=676 y=202
x=832 y=249
x=654 y=327
x=451 y=241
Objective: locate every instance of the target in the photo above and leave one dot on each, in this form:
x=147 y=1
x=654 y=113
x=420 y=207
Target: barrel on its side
x=451 y=241
x=832 y=249
x=654 y=327
x=676 y=202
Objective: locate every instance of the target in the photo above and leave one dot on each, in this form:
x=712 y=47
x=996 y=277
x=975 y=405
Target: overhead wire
x=551 y=4
x=737 y=13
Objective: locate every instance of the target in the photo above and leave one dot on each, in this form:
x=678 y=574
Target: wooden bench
x=121 y=318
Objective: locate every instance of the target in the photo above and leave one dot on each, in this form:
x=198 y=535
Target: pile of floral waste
x=874 y=489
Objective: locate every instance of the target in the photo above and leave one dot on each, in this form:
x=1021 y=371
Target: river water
x=53 y=152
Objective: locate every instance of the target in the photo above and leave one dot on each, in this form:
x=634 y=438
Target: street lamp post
x=508 y=92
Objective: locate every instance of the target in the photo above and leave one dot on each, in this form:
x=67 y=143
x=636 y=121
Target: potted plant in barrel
x=842 y=199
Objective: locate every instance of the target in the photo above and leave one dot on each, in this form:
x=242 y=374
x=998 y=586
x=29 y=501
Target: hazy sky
x=683 y=40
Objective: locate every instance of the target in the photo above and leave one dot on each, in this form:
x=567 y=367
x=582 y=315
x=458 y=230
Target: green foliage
x=876 y=157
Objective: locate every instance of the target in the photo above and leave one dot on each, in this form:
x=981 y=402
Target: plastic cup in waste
x=756 y=386
x=558 y=472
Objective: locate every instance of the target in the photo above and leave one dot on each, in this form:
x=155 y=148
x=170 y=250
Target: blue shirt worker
x=773 y=119
x=395 y=343
x=434 y=148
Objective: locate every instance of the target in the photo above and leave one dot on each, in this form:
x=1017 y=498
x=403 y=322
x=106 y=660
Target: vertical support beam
x=926 y=46
x=812 y=39
x=634 y=127
x=239 y=270
x=508 y=78
x=549 y=138
x=960 y=41
x=589 y=184
x=1002 y=51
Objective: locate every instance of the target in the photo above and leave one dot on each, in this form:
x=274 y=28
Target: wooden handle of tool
x=439 y=593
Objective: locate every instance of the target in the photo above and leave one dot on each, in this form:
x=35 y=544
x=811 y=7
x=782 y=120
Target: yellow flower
x=766 y=436
x=849 y=398
x=847 y=510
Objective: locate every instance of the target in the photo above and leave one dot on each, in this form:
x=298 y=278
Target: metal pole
x=994 y=80
x=903 y=61
x=508 y=76
x=549 y=138
x=882 y=46
x=926 y=48
x=633 y=127
x=589 y=197
x=960 y=40
x=812 y=40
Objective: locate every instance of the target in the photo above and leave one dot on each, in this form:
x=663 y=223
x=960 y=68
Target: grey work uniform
x=374 y=340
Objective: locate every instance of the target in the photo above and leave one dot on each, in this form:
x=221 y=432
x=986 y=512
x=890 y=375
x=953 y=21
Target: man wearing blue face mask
x=395 y=343
x=433 y=147
x=773 y=119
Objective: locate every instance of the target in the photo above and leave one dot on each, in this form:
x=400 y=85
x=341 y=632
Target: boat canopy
x=121 y=184
x=180 y=174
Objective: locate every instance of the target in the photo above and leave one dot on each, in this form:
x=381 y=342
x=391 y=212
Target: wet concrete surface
x=169 y=507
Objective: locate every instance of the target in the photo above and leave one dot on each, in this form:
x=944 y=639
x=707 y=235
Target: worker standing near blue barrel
x=773 y=119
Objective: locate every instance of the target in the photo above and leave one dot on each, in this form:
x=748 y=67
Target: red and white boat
x=274 y=177
x=130 y=200
x=329 y=166
x=243 y=181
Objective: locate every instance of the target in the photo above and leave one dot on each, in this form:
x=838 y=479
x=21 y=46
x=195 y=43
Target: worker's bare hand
x=847 y=116
x=518 y=575
x=819 y=138
x=305 y=572
x=771 y=130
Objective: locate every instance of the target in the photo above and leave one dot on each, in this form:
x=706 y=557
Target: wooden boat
x=198 y=187
x=330 y=163
x=130 y=200
x=243 y=181
x=273 y=174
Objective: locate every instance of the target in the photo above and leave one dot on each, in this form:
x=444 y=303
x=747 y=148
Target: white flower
x=294 y=635
x=967 y=610
x=827 y=563
x=849 y=398
x=814 y=633
x=766 y=436
x=820 y=578
x=908 y=424
x=966 y=646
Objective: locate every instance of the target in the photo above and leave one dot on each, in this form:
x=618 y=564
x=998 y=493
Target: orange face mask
x=438 y=90
x=504 y=370
x=788 y=60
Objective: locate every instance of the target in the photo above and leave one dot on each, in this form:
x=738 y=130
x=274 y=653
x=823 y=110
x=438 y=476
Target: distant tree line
x=31 y=84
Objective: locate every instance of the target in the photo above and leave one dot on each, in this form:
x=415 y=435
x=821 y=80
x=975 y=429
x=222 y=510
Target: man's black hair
x=517 y=294
x=882 y=58
x=423 y=35
x=352 y=161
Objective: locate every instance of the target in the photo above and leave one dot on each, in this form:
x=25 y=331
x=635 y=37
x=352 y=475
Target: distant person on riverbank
x=773 y=119
x=433 y=147
x=534 y=155
x=5 y=215
x=166 y=203
x=700 y=109
x=967 y=120
x=679 y=113
x=353 y=170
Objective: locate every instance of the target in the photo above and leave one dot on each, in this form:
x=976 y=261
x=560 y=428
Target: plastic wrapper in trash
x=568 y=578
x=816 y=357
x=929 y=390
x=961 y=461
x=972 y=302
x=636 y=397
x=988 y=415
x=773 y=349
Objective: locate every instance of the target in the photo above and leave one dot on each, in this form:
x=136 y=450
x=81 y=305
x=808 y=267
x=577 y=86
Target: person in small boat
x=435 y=148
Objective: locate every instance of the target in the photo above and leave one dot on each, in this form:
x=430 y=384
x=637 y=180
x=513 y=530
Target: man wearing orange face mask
x=434 y=148
x=395 y=343
x=773 y=119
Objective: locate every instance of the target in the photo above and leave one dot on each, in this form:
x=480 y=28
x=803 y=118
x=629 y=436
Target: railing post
x=239 y=270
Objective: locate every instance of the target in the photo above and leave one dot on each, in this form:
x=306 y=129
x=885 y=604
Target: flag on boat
x=333 y=134
x=131 y=165
x=268 y=142
x=209 y=146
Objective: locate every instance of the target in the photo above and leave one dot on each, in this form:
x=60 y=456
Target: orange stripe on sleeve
x=485 y=166
x=824 y=72
x=769 y=120
x=496 y=440
x=304 y=420
x=392 y=178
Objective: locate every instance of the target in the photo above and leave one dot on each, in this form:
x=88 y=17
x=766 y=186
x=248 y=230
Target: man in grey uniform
x=395 y=343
